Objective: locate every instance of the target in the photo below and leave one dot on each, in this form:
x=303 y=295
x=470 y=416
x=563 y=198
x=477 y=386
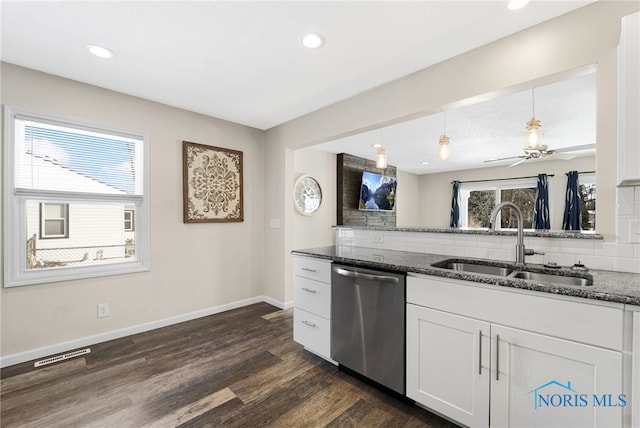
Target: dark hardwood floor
x=239 y=368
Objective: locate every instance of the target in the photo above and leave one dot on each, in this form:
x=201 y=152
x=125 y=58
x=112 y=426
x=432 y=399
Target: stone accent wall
x=349 y=169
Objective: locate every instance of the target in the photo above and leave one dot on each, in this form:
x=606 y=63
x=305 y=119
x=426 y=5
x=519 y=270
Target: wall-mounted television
x=377 y=192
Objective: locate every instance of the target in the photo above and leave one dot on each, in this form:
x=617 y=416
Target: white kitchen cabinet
x=542 y=381
x=448 y=364
x=312 y=305
x=539 y=361
x=635 y=370
x=629 y=101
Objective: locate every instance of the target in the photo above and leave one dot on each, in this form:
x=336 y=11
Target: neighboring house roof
x=50 y=175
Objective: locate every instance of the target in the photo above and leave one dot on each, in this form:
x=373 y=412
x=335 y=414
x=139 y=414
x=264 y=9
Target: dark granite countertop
x=535 y=233
x=608 y=286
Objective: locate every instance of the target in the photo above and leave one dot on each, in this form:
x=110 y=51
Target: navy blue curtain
x=572 y=219
x=455 y=205
x=541 y=207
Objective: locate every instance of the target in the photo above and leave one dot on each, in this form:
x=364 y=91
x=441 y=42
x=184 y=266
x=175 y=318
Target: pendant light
x=381 y=154
x=534 y=128
x=381 y=158
x=444 y=151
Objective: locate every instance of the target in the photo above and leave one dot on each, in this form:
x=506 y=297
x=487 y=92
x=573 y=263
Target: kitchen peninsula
x=479 y=343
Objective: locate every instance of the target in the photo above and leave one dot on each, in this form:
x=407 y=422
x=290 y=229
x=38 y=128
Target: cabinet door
x=635 y=370
x=448 y=364
x=541 y=381
x=629 y=100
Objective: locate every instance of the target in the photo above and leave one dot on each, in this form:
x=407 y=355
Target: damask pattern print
x=212 y=184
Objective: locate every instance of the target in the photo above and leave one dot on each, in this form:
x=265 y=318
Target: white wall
x=311 y=231
x=586 y=36
x=408 y=200
x=193 y=266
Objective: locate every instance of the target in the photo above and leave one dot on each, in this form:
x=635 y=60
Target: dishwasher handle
x=360 y=275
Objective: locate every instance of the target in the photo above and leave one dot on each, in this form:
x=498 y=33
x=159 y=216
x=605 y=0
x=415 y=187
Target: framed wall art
x=212 y=184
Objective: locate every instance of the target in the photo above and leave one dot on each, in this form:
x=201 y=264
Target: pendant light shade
x=444 y=152
x=381 y=158
x=533 y=129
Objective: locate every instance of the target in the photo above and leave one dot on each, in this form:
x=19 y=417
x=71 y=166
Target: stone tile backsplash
x=595 y=254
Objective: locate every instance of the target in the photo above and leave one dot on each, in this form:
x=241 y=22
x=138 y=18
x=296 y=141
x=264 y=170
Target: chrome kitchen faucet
x=520 y=237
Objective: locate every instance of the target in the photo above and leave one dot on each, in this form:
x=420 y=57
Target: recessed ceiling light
x=100 y=52
x=517 y=4
x=376 y=145
x=312 y=40
x=425 y=163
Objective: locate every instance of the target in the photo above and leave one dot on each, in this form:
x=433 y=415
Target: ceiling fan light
x=533 y=135
x=381 y=158
x=444 y=152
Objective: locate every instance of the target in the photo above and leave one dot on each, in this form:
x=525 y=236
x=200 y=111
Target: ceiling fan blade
x=510 y=157
x=520 y=161
x=575 y=148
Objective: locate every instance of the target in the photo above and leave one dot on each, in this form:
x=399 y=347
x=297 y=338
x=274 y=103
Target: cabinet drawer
x=319 y=270
x=312 y=296
x=312 y=331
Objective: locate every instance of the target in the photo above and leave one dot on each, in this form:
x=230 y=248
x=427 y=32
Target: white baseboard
x=58 y=348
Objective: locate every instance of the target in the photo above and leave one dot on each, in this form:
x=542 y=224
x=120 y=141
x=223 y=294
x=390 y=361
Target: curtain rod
x=582 y=172
x=503 y=179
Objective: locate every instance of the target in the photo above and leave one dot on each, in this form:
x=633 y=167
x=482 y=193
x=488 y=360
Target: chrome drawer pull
x=309 y=323
x=310 y=269
x=308 y=290
x=497 y=357
x=480 y=354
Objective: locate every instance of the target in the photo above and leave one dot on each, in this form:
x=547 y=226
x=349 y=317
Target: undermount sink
x=515 y=272
x=474 y=267
x=552 y=279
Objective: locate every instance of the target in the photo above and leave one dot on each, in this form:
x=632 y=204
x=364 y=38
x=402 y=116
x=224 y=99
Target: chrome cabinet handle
x=497 y=357
x=309 y=323
x=480 y=354
x=308 y=290
x=379 y=278
x=309 y=269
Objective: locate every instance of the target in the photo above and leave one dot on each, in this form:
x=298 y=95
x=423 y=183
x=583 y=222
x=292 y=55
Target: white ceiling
x=242 y=61
x=489 y=127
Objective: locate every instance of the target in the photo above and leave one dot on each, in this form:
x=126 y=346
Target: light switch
x=274 y=223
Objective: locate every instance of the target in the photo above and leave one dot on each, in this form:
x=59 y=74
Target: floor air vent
x=62 y=357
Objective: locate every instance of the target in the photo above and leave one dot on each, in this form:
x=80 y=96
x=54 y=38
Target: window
x=54 y=220
x=588 y=197
x=59 y=171
x=478 y=199
x=128 y=221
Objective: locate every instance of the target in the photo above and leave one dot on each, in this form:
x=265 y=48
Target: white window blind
x=54 y=157
x=92 y=175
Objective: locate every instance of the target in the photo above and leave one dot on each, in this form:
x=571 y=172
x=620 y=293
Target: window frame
x=16 y=272
x=44 y=219
x=497 y=186
x=131 y=220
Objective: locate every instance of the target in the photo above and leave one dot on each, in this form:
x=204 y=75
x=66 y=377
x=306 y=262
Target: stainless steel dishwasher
x=368 y=324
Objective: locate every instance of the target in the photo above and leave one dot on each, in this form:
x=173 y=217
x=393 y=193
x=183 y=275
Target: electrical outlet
x=103 y=310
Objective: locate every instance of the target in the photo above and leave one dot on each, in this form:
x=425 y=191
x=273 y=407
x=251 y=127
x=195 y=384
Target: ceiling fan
x=543 y=151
